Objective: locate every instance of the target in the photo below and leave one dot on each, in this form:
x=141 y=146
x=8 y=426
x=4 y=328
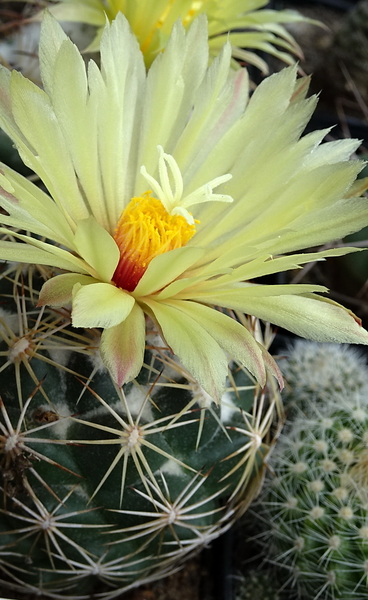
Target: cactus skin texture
x=106 y=488
x=315 y=505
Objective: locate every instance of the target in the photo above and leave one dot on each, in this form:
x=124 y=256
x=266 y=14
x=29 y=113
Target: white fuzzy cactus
x=315 y=504
x=319 y=373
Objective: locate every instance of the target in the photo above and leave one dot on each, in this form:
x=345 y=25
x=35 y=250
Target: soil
x=183 y=585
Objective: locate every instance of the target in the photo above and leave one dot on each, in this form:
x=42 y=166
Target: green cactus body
x=316 y=503
x=105 y=487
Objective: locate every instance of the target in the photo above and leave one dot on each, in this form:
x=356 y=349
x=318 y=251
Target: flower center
x=149 y=226
x=195 y=6
x=145 y=230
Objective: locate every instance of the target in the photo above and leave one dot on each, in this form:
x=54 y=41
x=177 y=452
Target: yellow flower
x=152 y=22
x=169 y=193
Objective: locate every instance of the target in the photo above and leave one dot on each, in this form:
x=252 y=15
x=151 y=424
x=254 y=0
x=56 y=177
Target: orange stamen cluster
x=145 y=230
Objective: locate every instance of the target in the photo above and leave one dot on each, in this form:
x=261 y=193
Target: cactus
x=315 y=505
x=106 y=487
x=319 y=373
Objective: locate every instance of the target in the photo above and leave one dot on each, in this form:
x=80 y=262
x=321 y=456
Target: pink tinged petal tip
x=272 y=366
x=122 y=347
x=58 y=290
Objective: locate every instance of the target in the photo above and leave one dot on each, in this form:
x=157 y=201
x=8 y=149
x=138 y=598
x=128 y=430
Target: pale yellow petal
x=237 y=295
x=312 y=317
x=100 y=305
x=37 y=252
x=47 y=153
x=165 y=268
x=120 y=92
x=77 y=113
x=31 y=209
x=172 y=82
x=97 y=247
x=233 y=337
x=259 y=266
x=51 y=38
x=194 y=346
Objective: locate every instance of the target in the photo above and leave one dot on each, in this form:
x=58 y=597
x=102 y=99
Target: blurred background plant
x=250 y=27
